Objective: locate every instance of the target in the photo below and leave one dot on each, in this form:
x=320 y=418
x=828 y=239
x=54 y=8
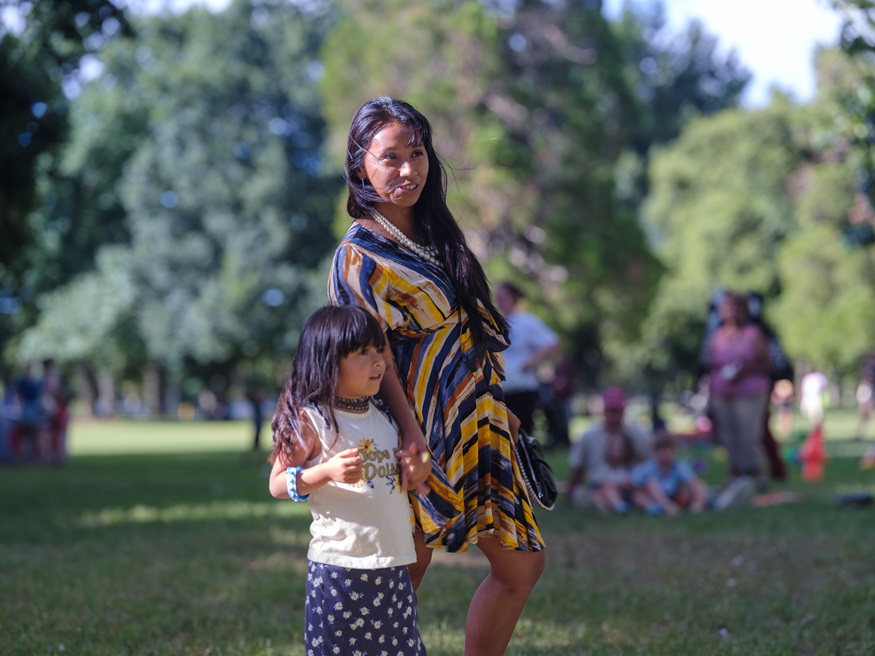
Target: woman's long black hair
x=435 y=222
x=329 y=335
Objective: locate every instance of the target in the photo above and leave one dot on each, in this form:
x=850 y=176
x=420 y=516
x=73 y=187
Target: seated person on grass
x=611 y=484
x=669 y=483
x=601 y=460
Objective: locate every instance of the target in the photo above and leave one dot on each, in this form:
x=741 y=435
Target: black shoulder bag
x=536 y=471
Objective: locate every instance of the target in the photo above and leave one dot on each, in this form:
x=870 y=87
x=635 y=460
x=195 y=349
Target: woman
x=740 y=386
x=406 y=261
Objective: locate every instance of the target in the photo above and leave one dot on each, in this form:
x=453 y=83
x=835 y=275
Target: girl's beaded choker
x=352 y=405
x=425 y=252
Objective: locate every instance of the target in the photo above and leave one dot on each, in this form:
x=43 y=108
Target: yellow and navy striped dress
x=458 y=401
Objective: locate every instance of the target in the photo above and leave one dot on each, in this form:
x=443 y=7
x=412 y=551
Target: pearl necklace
x=425 y=252
x=352 y=405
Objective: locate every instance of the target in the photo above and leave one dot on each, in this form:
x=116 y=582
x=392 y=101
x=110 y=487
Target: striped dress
x=458 y=401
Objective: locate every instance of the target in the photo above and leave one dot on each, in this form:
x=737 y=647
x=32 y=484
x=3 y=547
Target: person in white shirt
x=531 y=342
x=812 y=391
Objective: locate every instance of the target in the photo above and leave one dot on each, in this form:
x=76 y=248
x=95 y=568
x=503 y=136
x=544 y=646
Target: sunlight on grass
x=120 y=436
x=442 y=638
x=224 y=510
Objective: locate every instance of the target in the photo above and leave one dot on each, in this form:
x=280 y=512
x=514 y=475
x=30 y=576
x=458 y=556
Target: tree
x=718 y=212
x=40 y=70
x=826 y=310
x=531 y=109
x=221 y=185
x=858 y=98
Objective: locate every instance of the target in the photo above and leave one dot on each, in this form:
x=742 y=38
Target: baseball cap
x=614 y=398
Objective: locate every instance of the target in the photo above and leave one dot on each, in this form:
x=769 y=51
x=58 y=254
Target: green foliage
x=178 y=208
x=39 y=74
x=857 y=94
x=826 y=308
x=219 y=182
x=718 y=212
x=530 y=109
x=828 y=293
x=676 y=76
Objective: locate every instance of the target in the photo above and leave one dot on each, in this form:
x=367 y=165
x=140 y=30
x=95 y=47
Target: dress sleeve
x=356 y=278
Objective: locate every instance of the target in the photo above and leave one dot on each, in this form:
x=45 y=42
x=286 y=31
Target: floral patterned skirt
x=371 y=612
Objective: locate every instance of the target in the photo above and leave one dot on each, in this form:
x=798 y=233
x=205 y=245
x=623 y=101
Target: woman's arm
x=541 y=355
x=415 y=466
x=760 y=363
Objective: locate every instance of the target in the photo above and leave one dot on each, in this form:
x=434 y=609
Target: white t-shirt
x=367 y=525
x=528 y=334
x=813 y=385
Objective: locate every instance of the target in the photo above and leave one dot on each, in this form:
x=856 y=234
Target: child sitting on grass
x=612 y=488
x=669 y=484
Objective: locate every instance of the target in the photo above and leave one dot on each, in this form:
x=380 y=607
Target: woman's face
x=396 y=169
x=729 y=310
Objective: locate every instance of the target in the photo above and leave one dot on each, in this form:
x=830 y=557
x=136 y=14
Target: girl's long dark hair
x=329 y=334
x=435 y=222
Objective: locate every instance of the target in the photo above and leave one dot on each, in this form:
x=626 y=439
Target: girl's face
x=396 y=169
x=361 y=373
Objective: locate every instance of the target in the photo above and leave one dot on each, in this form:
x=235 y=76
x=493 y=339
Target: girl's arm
x=415 y=466
x=345 y=467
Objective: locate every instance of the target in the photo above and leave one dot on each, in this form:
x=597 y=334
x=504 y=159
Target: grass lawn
x=161 y=539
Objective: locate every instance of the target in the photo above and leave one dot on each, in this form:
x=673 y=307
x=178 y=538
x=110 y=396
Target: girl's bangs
x=359 y=331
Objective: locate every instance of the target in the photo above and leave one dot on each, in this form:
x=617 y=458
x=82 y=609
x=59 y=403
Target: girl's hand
x=415 y=465
x=345 y=467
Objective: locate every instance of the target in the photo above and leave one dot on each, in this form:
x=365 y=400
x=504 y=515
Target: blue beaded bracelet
x=292 y=484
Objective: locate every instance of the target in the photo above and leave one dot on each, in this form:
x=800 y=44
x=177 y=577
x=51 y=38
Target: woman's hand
x=345 y=467
x=731 y=371
x=415 y=464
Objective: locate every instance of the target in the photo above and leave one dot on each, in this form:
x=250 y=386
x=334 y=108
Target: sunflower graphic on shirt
x=378 y=463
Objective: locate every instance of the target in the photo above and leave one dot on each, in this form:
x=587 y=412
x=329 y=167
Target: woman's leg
x=749 y=419
x=499 y=601
x=423 y=558
x=725 y=416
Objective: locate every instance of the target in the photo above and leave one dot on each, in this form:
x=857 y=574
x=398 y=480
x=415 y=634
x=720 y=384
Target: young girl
x=612 y=486
x=334 y=448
